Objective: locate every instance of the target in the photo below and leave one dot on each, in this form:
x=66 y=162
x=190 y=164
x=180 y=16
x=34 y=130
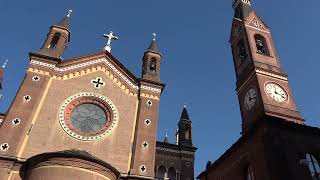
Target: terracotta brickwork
x=275 y=143
x=274 y=150
x=46 y=133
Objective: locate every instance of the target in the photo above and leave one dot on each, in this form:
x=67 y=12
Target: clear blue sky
x=197 y=64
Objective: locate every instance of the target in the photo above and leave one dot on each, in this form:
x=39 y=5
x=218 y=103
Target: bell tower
x=262 y=85
x=57 y=39
x=151 y=62
x=184 y=132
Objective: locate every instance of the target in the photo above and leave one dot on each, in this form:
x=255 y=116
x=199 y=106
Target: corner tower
x=151 y=62
x=57 y=39
x=184 y=132
x=144 y=148
x=262 y=85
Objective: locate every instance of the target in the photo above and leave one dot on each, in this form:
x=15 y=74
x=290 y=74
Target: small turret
x=57 y=38
x=151 y=62
x=166 y=139
x=242 y=9
x=185 y=129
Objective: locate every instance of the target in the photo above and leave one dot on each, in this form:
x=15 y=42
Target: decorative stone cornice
x=174 y=151
x=260 y=71
x=90 y=63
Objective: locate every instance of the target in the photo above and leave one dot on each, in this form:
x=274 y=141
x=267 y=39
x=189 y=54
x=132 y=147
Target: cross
x=149 y=103
x=16 y=121
x=36 y=78
x=110 y=37
x=97 y=83
x=143 y=168
x=69 y=13
x=27 y=98
x=5 y=64
x=154 y=36
x=145 y=144
x=147 y=121
x=4 y=146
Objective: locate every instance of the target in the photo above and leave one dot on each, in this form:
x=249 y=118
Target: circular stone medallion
x=88 y=116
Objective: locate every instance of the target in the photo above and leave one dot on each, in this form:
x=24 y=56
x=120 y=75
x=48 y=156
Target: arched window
x=161 y=174
x=172 y=175
x=153 y=64
x=187 y=135
x=261 y=45
x=313 y=167
x=249 y=173
x=242 y=51
x=54 y=40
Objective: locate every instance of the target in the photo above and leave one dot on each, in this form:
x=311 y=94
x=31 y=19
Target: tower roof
x=185 y=114
x=242 y=9
x=153 y=45
x=166 y=139
x=65 y=22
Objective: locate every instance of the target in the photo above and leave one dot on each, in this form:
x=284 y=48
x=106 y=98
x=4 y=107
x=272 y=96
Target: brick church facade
x=275 y=143
x=89 y=117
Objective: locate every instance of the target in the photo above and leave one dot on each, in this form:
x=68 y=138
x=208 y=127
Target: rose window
x=88 y=116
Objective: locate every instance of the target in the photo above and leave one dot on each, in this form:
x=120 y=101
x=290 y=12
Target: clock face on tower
x=250 y=99
x=276 y=92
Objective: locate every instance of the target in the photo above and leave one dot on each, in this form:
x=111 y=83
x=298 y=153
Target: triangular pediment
x=81 y=66
x=255 y=21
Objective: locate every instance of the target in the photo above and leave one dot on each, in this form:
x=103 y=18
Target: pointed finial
x=69 y=13
x=166 y=140
x=5 y=64
x=185 y=106
x=154 y=36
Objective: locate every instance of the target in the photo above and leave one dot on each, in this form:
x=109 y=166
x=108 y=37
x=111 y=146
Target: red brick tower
x=143 y=161
x=262 y=85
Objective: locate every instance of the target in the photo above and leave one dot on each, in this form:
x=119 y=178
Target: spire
x=57 y=39
x=152 y=62
x=1 y=74
x=5 y=64
x=153 y=46
x=242 y=8
x=166 y=139
x=65 y=21
x=185 y=115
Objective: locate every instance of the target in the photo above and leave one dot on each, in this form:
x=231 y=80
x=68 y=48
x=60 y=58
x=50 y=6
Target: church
x=275 y=142
x=90 y=118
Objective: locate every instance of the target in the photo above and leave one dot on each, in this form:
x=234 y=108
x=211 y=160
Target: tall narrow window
x=249 y=173
x=313 y=167
x=242 y=51
x=262 y=46
x=153 y=64
x=54 y=40
x=187 y=135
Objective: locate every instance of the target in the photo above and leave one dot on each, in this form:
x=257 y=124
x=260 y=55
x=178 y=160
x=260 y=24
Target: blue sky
x=197 y=63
